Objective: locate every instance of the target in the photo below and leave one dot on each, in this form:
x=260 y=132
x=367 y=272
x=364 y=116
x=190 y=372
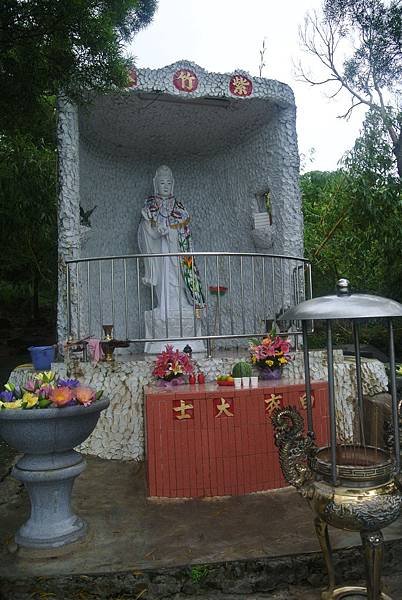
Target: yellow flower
x=269 y=362
x=45 y=376
x=15 y=404
x=30 y=399
x=177 y=369
x=282 y=360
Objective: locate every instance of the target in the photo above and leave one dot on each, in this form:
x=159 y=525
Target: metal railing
x=243 y=294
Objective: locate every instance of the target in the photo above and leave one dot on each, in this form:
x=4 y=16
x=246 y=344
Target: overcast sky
x=222 y=35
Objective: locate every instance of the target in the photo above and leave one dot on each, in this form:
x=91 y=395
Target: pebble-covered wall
x=120 y=430
x=227 y=138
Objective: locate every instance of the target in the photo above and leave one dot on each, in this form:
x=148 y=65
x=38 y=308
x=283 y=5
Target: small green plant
x=198 y=573
x=242 y=369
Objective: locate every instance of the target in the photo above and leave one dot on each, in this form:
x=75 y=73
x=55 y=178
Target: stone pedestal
x=156 y=327
x=52 y=522
x=48 y=468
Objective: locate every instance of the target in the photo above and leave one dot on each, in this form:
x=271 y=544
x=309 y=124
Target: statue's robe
x=165 y=228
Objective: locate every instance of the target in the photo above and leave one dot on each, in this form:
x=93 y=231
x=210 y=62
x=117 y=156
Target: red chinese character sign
x=185 y=80
x=240 y=85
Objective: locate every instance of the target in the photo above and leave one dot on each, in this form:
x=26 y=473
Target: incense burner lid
x=344 y=305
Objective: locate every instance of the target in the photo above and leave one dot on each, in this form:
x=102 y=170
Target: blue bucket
x=42 y=357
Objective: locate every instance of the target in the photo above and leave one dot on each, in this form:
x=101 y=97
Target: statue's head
x=163 y=182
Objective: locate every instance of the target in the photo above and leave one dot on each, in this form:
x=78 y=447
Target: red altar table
x=210 y=440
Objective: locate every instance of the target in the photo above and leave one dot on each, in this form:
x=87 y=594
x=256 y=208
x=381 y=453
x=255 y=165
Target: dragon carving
x=295 y=448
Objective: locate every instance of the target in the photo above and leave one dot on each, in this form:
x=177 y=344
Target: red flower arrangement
x=171 y=366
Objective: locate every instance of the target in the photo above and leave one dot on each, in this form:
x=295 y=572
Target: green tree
x=376 y=204
x=48 y=46
x=28 y=224
x=70 y=45
x=353 y=217
x=369 y=32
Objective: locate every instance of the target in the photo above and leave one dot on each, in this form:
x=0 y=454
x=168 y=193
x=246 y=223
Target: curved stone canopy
x=154 y=117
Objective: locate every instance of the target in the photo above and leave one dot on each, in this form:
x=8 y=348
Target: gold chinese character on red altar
x=223 y=408
x=182 y=409
x=303 y=401
x=185 y=80
x=272 y=402
x=240 y=85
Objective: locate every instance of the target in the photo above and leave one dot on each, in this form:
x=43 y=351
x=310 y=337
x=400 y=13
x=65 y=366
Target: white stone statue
x=164 y=228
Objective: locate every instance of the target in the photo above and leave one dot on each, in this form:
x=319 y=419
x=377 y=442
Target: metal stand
x=321 y=529
x=373 y=543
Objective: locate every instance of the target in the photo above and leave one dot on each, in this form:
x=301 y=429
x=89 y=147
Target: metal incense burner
x=349 y=484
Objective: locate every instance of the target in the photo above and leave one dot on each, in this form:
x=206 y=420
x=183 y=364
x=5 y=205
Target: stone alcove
x=226 y=137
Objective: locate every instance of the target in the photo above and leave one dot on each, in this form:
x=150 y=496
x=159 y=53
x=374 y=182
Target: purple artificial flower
x=70 y=383
x=6 y=396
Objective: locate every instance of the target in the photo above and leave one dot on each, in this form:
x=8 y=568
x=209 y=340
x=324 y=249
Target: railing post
x=209 y=348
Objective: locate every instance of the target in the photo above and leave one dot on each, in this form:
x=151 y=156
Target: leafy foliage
x=47 y=47
x=28 y=209
x=69 y=45
x=377 y=58
x=370 y=31
x=353 y=218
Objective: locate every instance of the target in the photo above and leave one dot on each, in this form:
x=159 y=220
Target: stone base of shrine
x=207 y=440
x=120 y=432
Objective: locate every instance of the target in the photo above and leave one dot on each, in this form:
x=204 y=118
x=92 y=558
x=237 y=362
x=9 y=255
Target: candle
x=201 y=378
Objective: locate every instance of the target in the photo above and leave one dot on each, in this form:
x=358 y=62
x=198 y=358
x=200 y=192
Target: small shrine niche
x=223 y=136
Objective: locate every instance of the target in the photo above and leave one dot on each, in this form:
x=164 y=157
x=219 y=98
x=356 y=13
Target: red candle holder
x=191 y=379
x=201 y=378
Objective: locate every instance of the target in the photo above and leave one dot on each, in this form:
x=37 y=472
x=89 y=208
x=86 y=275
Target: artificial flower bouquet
x=272 y=353
x=172 y=365
x=46 y=390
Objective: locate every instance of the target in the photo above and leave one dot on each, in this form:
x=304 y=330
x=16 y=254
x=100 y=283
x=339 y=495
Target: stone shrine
x=230 y=141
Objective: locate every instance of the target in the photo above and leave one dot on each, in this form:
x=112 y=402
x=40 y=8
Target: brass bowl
x=357 y=466
x=359 y=509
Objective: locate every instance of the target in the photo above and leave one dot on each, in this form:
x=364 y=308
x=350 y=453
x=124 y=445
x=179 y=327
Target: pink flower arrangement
x=273 y=352
x=172 y=365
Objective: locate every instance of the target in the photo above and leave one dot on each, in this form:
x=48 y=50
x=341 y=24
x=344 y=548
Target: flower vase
x=171 y=382
x=267 y=374
x=48 y=467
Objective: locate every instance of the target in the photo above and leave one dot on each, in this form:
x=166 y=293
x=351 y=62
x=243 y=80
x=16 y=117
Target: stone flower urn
x=48 y=468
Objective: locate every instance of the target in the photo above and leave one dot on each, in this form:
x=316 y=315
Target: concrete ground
x=247 y=547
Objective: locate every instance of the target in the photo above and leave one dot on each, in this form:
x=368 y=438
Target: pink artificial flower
x=60 y=396
x=30 y=386
x=45 y=391
x=84 y=394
